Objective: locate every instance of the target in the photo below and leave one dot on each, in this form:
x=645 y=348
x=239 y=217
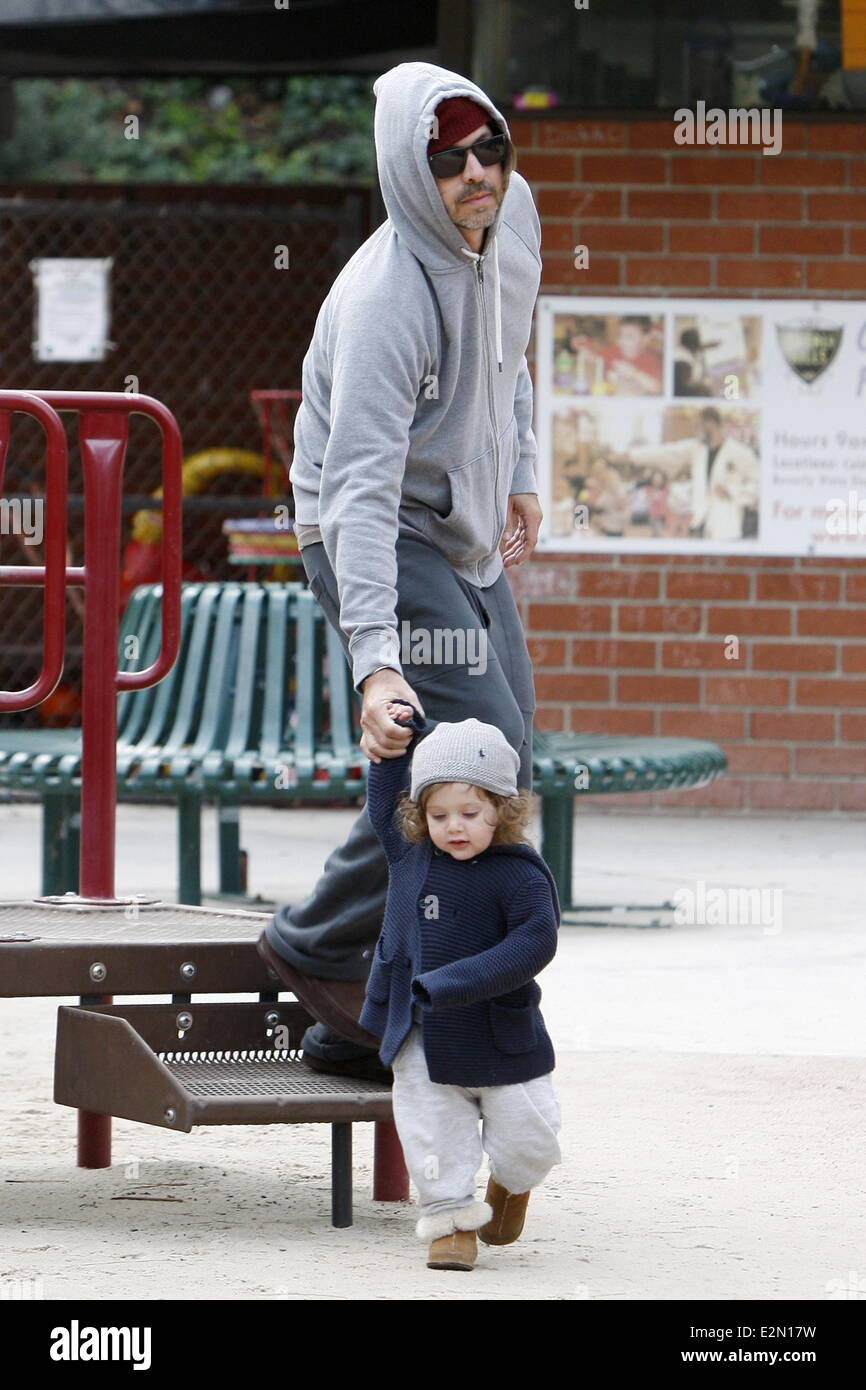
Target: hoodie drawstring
x=497 y=302
x=497 y=313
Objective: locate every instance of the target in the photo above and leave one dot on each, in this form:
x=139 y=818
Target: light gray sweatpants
x=438 y=1129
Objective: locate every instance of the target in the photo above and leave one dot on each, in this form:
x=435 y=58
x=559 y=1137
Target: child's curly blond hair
x=513 y=814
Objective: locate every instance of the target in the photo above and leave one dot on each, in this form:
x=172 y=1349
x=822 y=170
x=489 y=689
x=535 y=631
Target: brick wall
x=636 y=644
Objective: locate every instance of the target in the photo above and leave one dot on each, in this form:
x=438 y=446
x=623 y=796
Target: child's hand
x=402 y=714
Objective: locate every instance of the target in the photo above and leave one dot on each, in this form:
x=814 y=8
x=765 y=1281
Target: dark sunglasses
x=446 y=163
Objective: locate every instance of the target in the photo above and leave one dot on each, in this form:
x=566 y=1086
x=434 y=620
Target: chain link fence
x=204 y=309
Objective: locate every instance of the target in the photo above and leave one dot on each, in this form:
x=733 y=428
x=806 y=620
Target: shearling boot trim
x=443 y=1223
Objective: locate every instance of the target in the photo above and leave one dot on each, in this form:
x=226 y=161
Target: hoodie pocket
x=473 y=526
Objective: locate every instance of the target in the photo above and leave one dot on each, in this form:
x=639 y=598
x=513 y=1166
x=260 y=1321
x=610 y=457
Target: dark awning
x=161 y=37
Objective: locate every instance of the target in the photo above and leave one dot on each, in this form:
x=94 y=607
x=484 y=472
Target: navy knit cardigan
x=464 y=939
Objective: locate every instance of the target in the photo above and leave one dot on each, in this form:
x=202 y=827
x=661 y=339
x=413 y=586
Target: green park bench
x=260 y=707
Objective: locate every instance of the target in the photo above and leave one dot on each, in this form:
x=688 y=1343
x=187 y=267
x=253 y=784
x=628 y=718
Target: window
x=634 y=55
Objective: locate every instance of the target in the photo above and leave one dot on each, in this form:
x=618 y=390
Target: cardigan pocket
x=513 y=1028
x=378 y=988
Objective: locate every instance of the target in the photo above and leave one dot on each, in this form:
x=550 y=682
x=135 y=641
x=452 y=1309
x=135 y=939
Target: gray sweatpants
x=331 y=933
x=438 y=1129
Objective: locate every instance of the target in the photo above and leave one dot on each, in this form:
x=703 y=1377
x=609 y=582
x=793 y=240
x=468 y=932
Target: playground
x=712 y=1084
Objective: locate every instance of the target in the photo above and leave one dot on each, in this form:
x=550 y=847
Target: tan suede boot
x=509 y=1214
x=457 y=1251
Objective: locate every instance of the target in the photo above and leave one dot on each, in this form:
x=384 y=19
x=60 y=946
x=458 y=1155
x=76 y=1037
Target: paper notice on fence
x=72 y=309
x=701 y=426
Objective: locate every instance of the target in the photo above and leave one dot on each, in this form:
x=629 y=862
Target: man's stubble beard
x=463 y=216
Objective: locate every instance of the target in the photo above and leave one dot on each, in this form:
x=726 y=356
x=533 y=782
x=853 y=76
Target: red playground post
x=103 y=435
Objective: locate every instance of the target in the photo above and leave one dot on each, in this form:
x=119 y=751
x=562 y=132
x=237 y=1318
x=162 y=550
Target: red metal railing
x=103 y=434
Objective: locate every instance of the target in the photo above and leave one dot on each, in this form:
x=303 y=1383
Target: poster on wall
x=732 y=426
x=71 y=309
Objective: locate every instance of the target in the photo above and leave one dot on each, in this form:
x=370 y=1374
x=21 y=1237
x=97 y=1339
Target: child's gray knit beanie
x=466 y=752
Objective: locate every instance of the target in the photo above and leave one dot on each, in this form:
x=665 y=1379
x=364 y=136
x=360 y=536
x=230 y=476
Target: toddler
x=471 y=917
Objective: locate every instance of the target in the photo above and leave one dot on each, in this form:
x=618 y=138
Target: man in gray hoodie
x=414 y=489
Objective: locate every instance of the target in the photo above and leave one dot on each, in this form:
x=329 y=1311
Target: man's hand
x=382 y=738
x=521 y=528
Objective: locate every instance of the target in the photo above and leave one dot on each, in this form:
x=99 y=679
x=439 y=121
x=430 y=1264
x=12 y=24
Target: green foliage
x=310 y=129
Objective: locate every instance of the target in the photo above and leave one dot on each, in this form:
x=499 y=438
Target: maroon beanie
x=457 y=118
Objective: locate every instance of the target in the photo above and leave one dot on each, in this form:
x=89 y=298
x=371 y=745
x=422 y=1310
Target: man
x=690 y=367
x=414 y=489
x=725 y=475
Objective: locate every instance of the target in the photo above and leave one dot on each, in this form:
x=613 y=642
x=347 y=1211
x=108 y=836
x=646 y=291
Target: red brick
x=755 y=758
x=793 y=135
x=852 y=796
x=760 y=207
x=659 y=618
x=790 y=796
x=854 y=660
x=561 y=236
x=524 y=132
x=852 y=727
x=838 y=562
x=566 y=617
x=711 y=584
x=700 y=654
x=835 y=137
x=759 y=622
x=713 y=724
x=857 y=241
x=550 y=720
x=597 y=651
x=801 y=172
x=615 y=721
x=623 y=168
x=802 y=241
x=546 y=651
x=578 y=202
x=713 y=170
x=831 y=622
x=794 y=656
x=617 y=584
x=837 y=207
x=571 y=687
x=761 y=274
x=792 y=727
x=799 y=588
x=560 y=270
x=724 y=795
x=620 y=236
x=831 y=762
x=746 y=690
x=548 y=168
x=669 y=205
x=836 y=275
x=830 y=692
x=712 y=237
x=541 y=578
x=570 y=134
x=651 y=135
x=660 y=690
x=668 y=271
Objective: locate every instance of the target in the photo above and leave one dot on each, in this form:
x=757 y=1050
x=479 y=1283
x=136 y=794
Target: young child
x=471 y=917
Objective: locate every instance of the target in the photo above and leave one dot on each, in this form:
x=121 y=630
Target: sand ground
x=711 y=1079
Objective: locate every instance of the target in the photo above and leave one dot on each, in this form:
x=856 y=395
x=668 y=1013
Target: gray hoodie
x=416 y=416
